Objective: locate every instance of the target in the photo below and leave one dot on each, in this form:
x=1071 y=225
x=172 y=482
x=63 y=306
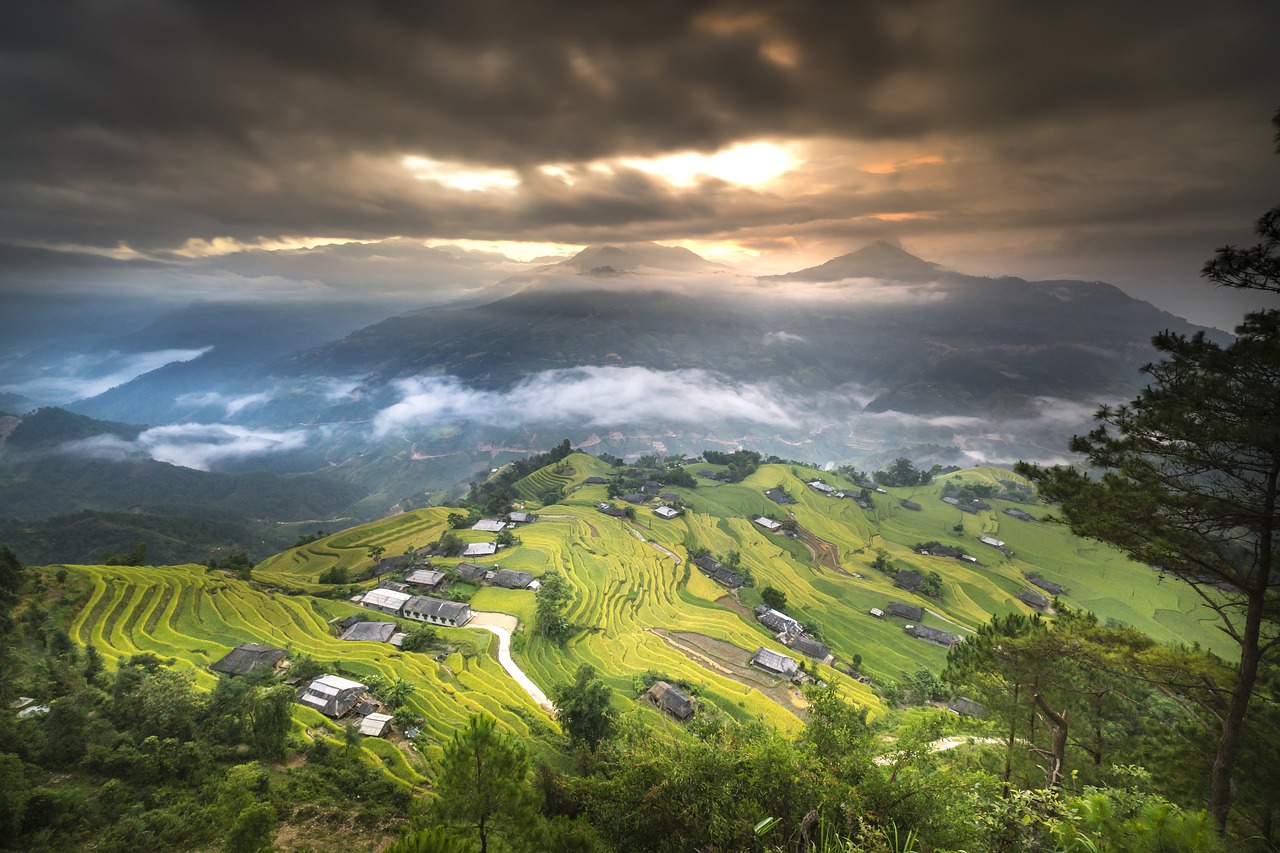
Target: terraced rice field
x=196 y=617
x=634 y=608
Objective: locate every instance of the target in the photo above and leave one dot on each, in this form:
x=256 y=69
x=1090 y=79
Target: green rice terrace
x=638 y=604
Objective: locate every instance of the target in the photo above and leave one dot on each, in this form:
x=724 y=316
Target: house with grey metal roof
x=425 y=578
x=811 y=648
x=1033 y=598
x=509 y=579
x=774 y=662
x=385 y=600
x=471 y=572
x=776 y=621
x=374 y=632
x=480 y=549
x=906 y=611
x=933 y=635
x=331 y=695
x=438 y=611
x=245 y=658
x=1047 y=585
x=671 y=699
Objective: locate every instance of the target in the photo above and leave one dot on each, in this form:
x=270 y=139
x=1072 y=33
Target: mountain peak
x=637 y=257
x=881 y=259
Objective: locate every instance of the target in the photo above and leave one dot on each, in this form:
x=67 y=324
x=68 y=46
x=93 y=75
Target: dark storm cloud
x=152 y=123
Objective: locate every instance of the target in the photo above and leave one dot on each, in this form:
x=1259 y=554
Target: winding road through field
x=503 y=624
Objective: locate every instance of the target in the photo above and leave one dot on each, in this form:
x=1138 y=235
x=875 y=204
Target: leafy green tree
x=11 y=573
x=420 y=639
x=253 y=830
x=436 y=839
x=553 y=595
x=1191 y=482
x=397 y=692
x=483 y=783
x=376 y=551
x=334 y=575
x=584 y=707
x=1191 y=486
x=14 y=793
x=774 y=597
x=270 y=720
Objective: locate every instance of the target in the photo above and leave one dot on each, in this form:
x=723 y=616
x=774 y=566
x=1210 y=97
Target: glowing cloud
x=748 y=163
x=461 y=176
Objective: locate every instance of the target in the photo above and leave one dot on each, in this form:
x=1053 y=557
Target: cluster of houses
x=790 y=633
x=714 y=569
x=972 y=507
x=854 y=495
x=331 y=695
x=913 y=614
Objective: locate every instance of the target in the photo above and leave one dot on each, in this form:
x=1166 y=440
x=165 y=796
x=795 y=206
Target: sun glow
x=748 y=163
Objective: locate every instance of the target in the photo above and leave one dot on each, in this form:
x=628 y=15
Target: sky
x=422 y=151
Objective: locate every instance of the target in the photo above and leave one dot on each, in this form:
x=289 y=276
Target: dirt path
x=736 y=606
x=503 y=624
x=672 y=554
x=824 y=553
x=950 y=621
x=731 y=662
x=943 y=744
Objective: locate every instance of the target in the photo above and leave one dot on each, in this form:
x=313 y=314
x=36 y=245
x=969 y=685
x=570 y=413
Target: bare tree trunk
x=1013 y=732
x=1058 y=741
x=1224 y=760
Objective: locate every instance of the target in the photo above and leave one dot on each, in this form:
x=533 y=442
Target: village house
x=388 y=565
x=707 y=564
x=373 y=632
x=933 y=635
x=612 y=511
x=471 y=573
x=768 y=524
x=595 y=481
x=1020 y=514
x=508 y=579
x=965 y=707
x=911 y=505
x=385 y=600
x=1047 y=585
x=772 y=661
x=245 y=658
x=331 y=695
x=437 y=611
x=665 y=512
x=942 y=551
x=779 y=623
x=521 y=517
x=779 y=497
x=635 y=498
x=906 y=611
x=480 y=549
x=669 y=496
x=909 y=580
x=878 y=613
x=394 y=586
x=671 y=699
x=992 y=541
x=375 y=725
x=821 y=488
x=811 y=648
x=1032 y=598
x=490 y=525
x=425 y=578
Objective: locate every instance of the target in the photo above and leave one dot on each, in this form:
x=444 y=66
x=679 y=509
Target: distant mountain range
x=626 y=349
